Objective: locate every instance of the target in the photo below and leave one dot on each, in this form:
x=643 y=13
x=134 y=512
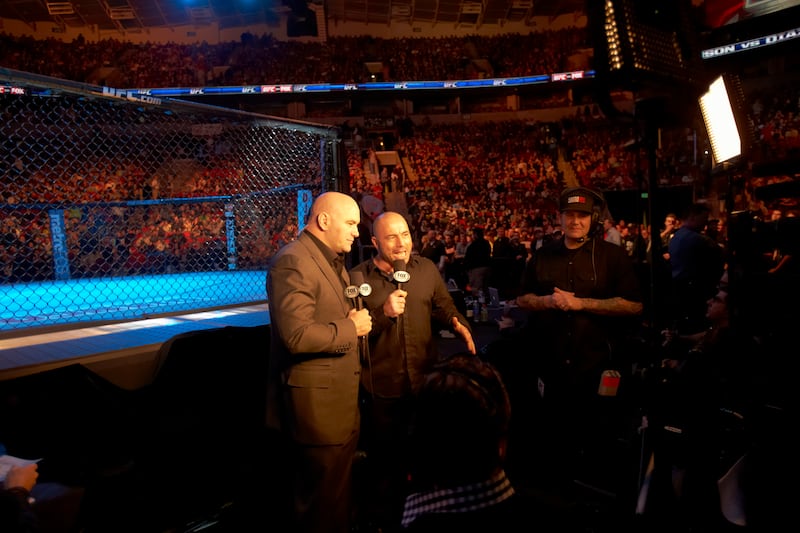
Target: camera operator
x=705 y=397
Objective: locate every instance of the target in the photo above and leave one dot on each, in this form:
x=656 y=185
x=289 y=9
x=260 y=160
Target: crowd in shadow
x=266 y=60
x=703 y=437
x=173 y=455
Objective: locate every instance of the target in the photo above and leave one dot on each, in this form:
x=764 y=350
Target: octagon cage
x=114 y=207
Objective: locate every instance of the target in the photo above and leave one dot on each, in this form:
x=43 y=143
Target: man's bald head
x=386 y=219
x=334 y=220
x=392 y=239
x=331 y=202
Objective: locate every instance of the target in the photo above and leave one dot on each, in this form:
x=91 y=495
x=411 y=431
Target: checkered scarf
x=458 y=499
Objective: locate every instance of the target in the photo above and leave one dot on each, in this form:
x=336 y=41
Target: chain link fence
x=116 y=208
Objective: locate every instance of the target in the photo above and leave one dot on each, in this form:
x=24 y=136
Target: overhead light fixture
x=471 y=8
x=60 y=8
x=728 y=127
x=652 y=39
x=121 y=13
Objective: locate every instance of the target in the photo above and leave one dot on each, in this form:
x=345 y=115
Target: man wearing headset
x=582 y=294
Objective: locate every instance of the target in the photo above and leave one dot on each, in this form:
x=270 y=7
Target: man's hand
x=22 y=476
x=395 y=304
x=462 y=330
x=566 y=301
x=362 y=320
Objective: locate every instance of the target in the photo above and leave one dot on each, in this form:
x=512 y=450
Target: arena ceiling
x=135 y=14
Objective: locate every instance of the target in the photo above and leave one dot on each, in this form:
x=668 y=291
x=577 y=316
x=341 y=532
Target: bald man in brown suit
x=314 y=363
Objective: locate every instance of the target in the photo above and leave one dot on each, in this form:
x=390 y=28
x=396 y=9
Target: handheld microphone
x=400 y=276
x=362 y=288
x=365 y=289
x=351 y=291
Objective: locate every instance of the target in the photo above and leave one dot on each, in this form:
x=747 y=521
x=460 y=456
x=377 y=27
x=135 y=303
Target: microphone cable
x=363 y=289
x=401 y=277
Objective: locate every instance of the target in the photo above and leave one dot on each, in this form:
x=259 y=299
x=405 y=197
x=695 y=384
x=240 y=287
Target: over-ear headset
x=598 y=205
x=598 y=209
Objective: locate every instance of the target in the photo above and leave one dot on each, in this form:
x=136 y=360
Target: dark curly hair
x=461 y=422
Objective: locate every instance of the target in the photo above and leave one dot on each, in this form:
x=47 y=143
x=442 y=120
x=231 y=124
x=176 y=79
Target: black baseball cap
x=580 y=199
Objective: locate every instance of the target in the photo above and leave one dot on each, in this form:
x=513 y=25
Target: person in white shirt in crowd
x=610 y=231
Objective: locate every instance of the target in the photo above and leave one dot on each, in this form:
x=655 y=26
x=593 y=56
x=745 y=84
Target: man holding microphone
x=314 y=364
x=407 y=294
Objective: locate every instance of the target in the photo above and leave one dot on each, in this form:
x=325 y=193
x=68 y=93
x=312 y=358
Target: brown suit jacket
x=314 y=367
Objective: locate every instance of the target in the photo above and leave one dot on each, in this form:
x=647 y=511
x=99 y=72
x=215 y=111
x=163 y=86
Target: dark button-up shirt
x=402 y=349
x=578 y=339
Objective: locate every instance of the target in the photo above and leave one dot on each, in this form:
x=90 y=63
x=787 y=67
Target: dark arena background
x=155 y=154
